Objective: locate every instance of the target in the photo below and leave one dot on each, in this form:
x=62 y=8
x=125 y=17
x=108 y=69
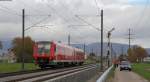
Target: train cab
x=43 y=53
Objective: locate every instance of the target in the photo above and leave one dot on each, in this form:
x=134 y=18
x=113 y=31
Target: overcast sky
x=63 y=17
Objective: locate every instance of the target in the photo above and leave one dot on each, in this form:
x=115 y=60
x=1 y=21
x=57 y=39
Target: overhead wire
x=76 y=19
x=53 y=9
x=68 y=10
x=91 y=24
x=35 y=15
x=8 y=10
x=87 y=22
x=31 y=15
x=37 y=23
x=33 y=9
x=82 y=20
x=13 y=12
x=142 y=14
x=36 y=10
x=98 y=9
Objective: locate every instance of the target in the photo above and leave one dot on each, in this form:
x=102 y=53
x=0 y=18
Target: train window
x=44 y=48
x=57 y=49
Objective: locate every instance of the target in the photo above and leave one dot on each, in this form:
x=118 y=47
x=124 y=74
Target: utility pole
x=108 y=52
x=92 y=51
x=109 y=55
x=23 y=30
x=112 y=55
x=113 y=52
x=129 y=38
x=101 y=40
x=69 y=39
x=122 y=52
x=84 y=48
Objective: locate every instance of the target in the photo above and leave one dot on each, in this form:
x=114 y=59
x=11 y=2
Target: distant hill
x=95 y=47
x=148 y=50
x=6 y=46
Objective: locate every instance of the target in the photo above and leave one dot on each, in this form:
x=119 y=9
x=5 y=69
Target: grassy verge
x=111 y=75
x=142 y=69
x=14 y=67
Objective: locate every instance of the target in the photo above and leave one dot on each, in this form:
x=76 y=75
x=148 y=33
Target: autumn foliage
x=28 y=49
x=137 y=54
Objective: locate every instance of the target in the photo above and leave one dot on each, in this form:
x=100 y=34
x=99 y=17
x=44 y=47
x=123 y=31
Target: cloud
x=121 y=14
x=138 y=2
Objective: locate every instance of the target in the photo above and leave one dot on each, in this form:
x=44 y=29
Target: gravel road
x=126 y=76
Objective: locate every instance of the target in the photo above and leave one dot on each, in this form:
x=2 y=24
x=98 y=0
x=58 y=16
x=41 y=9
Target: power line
x=13 y=12
x=76 y=19
x=98 y=8
x=43 y=26
x=9 y=10
x=142 y=14
x=87 y=22
x=99 y=11
x=36 y=10
x=129 y=37
x=69 y=11
x=37 y=15
x=89 y=15
x=37 y=23
x=57 y=13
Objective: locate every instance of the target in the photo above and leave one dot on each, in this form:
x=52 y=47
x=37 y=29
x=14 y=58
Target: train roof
x=43 y=42
x=61 y=44
x=67 y=46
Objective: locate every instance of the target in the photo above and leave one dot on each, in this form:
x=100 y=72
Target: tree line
x=137 y=54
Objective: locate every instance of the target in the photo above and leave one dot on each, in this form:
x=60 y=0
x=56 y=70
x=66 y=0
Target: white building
x=8 y=57
x=147 y=59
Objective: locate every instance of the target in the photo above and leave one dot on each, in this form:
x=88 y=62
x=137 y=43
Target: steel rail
x=37 y=74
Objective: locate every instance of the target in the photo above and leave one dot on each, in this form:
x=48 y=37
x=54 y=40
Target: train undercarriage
x=45 y=63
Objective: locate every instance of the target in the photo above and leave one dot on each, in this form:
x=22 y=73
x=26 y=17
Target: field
x=13 y=67
x=142 y=69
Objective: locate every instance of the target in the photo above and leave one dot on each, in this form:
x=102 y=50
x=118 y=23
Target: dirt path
x=126 y=76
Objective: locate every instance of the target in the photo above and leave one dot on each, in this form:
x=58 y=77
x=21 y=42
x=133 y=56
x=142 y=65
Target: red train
x=49 y=54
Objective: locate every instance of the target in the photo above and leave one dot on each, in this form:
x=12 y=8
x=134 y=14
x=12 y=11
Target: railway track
x=19 y=73
x=44 y=75
x=27 y=72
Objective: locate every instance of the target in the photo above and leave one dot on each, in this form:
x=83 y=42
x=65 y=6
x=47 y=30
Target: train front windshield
x=44 y=48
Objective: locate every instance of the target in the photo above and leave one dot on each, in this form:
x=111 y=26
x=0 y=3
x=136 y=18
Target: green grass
x=89 y=61
x=14 y=67
x=142 y=69
x=111 y=74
